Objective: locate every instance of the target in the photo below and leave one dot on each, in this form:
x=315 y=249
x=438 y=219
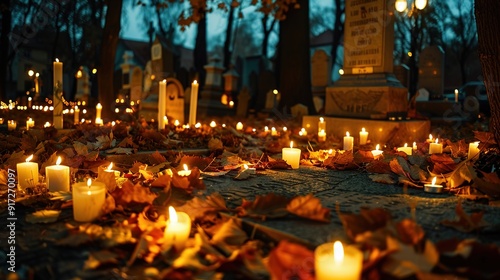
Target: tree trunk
x=107 y=59
x=338 y=31
x=294 y=60
x=266 y=31
x=227 y=42
x=488 y=28
x=4 y=46
x=200 y=50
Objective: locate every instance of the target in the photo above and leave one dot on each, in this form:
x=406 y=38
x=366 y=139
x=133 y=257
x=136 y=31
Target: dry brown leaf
x=341 y=161
x=215 y=144
x=417 y=174
x=268 y=206
x=130 y=193
x=442 y=163
x=163 y=181
x=188 y=183
x=367 y=220
x=289 y=257
x=229 y=237
x=410 y=232
x=465 y=222
x=400 y=166
x=197 y=206
x=195 y=161
x=309 y=207
x=378 y=166
x=382 y=178
x=458 y=149
x=157 y=158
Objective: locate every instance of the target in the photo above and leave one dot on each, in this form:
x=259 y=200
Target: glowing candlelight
x=177 y=230
x=27 y=173
x=185 y=172
x=322 y=136
x=473 y=150
x=435 y=148
x=433 y=188
x=377 y=152
x=363 y=136
x=239 y=126
x=407 y=150
x=291 y=156
x=348 y=142
x=88 y=199
x=57 y=177
x=333 y=261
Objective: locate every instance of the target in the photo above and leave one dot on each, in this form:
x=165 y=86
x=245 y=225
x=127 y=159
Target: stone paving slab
x=352 y=190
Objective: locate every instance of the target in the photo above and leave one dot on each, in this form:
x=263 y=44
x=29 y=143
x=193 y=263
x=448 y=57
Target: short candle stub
x=433 y=188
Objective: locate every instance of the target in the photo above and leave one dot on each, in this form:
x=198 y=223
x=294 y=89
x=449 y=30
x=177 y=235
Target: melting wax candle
x=27 y=173
x=291 y=156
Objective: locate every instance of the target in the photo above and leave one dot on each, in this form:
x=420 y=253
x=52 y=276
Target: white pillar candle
x=30 y=123
x=177 y=230
x=57 y=97
x=193 y=105
x=363 y=136
x=239 y=126
x=321 y=124
x=435 y=148
x=322 y=136
x=473 y=150
x=98 y=110
x=291 y=156
x=348 y=142
x=57 y=177
x=377 y=152
x=332 y=261
x=162 y=103
x=407 y=150
x=11 y=125
x=88 y=200
x=27 y=173
x=76 y=116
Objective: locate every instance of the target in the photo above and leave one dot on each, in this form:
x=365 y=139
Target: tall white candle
x=30 y=123
x=321 y=124
x=435 y=148
x=363 y=136
x=291 y=156
x=456 y=95
x=178 y=227
x=322 y=136
x=193 y=105
x=27 y=173
x=58 y=95
x=473 y=150
x=76 y=117
x=88 y=199
x=348 y=142
x=57 y=177
x=332 y=261
x=162 y=103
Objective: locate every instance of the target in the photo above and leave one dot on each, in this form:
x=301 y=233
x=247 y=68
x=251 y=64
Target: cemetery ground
x=250 y=223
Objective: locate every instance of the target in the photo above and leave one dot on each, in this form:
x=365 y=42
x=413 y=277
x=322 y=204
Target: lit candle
x=30 y=123
x=322 y=136
x=473 y=150
x=456 y=95
x=363 y=136
x=435 y=148
x=430 y=139
x=321 y=124
x=193 y=105
x=27 y=173
x=406 y=149
x=177 y=123
x=162 y=103
x=107 y=175
x=98 y=110
x=177 y=230
x=88 y=200
x=332 y=261
x=274 y=132
x=11 y=125
x=57 y=177
x=47 y=124
x=239 y=126
x=377 y=153
x=98 y=122
x=76 y=116
x=303 y=132
x=185 y=172
x=291 y=156
x=250 y=170
x=348 y=142
x=433 y=188
x=213 y=124
x=58 y=95
x=415 y=146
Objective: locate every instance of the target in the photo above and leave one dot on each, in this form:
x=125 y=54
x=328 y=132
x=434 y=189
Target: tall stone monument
x=368 y=88
x=369 y=95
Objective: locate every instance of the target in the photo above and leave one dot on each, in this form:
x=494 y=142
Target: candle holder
x=433 y=187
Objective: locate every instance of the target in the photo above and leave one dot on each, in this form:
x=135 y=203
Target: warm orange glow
x=29 y=158
x=338 y=252
x=58 y=160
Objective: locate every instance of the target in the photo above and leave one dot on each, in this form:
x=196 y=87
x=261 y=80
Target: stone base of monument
x=210 y=105
x=393 y=132
x=371 y=96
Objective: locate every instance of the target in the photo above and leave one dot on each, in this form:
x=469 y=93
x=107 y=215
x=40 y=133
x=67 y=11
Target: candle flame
x=273 y=128
x=89 y=182
x=347 y=134
x=213 y=124
x=110 y=166
x=164 y=81
x=430 y=137
x=245 y=166
x=172 y=215
x=414 y=145
x=58 y=160
x=321 y=119
x=195 y=82
x=437 y=140
x=338 y=252
x=363 y=130
x=185 y=167
x=57 y=59
x=406 y=145
x=377 y=147
x=434 y=181
x=29 y=158
x=177 y=123
x=291 y=144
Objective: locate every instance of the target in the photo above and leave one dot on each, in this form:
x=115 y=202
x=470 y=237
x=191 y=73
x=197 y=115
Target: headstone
x=175 y=100
x=431 y=71
x=272 y=99
x=320 y=69
x=162 y=61
x=243 y=102
x=231 y=80
x=136 y=84
x=213 y=78
x=368 y=88
x=266 y=84
x=148 y=82
x=299 y=110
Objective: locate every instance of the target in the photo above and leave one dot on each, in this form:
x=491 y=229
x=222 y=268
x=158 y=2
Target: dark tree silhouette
x=4 y=45
x=488 y=29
